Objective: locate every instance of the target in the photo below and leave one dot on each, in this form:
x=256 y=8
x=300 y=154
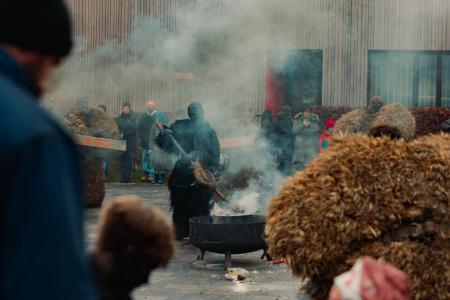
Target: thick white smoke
x=224 y=45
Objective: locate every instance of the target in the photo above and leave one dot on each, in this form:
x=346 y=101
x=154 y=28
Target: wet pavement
x=188 y=278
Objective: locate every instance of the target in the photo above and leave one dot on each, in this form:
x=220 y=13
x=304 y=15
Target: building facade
x=296 y=52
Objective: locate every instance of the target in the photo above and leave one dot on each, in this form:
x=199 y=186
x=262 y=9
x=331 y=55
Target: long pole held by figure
x=202 y=175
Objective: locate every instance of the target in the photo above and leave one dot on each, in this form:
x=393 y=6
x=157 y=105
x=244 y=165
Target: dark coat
x=41 y=212
x=267 y=132
x=147 y=129
x=198 y=139
x=188 y=199
x=283 y=131
x=127 y=125
x=446 y=126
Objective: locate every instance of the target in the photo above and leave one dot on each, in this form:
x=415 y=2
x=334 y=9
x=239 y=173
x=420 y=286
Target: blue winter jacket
x=41 y=238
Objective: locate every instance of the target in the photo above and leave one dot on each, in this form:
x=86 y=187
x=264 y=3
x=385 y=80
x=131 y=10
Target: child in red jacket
x=323 y=139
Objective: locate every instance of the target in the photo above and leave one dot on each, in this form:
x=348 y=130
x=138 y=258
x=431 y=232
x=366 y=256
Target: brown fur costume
x=335 y=211
x=357 y=120
x=386 y=131
x=362 y=120
x=93 y=183
x=134 y=239
x=92 y=122
x=399 y=117
x=101 y=125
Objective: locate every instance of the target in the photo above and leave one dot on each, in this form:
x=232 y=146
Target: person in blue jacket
x=42 y=254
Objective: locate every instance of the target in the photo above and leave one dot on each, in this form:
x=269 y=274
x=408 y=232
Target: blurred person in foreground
x=189 y=198
x=127 y=124
x=147 y=133
x=371 y=280
x=134 y=239
x=41 y=212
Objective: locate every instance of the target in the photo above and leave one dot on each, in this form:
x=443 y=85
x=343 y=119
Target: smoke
x=254 y=198
x=221 y=44
x=217 y=55
x=241 y=203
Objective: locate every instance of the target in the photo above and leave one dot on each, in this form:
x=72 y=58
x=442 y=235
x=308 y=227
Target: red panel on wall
x=274 y=92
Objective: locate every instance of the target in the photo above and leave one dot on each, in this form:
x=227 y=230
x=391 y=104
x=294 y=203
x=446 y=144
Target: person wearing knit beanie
x=42 y=26
x=127 y=124
x=37 y=34
x=42 y=242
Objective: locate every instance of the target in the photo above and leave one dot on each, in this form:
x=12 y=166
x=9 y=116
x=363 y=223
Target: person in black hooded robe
x=199 y=140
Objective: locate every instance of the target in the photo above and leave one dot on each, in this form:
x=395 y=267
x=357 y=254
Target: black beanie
x=39 y=25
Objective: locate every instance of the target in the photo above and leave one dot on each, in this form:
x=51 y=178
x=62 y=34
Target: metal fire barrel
x=228 y=234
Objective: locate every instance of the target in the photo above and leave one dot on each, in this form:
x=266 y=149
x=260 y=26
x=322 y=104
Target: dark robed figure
x=199 y=140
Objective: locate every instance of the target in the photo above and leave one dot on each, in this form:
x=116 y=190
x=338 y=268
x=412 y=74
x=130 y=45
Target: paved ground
x=187 y=278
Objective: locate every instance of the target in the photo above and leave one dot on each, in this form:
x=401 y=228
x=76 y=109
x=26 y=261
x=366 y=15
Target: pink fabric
x=371 y=280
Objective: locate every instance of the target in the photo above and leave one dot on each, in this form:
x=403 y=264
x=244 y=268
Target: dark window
x=412 y=78
x=445 y=83
x=300 y=76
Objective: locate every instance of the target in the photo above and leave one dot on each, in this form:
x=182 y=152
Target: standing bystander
x=105 y=163
x=284 y=136
x=147 y=133
x=325 y=136
x=306 y=129
x=127 y=127
x=162 y=161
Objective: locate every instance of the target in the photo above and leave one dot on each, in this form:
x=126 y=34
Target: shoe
x=160 y=178
x=145 y=178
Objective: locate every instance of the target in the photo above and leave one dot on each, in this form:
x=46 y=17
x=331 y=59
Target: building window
x=294 y=78
x=412 y=78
